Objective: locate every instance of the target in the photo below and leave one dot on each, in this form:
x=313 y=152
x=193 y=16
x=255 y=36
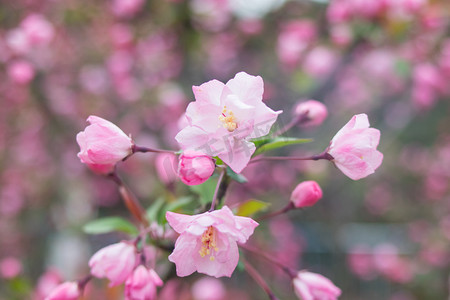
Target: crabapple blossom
x=313 y=286
x=65 y=291
x=225 y=116
x=141 y=285
x=115 y=262
x=354 y=148
x=313 y=111
x=194 y=167
x=208 y=241
x=102 y=145
x=306 y=193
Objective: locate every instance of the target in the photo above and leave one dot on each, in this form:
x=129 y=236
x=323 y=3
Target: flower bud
x=311 y=113
x=65 y=291
x=195 y=167
x=354 y=148
x=102 y=145
x=21 y=72
x=115 y=262
x=141 y=285
x=306 y=193
x=312 y=286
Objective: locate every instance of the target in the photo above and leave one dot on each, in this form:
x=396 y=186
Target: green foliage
x=205 y=191
x=251 y=207
x=235 y=176
x=280 y=142
x=110 y=224
x=157 y=211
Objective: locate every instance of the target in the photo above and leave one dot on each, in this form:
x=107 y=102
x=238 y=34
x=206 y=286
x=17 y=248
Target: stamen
x=228 y=119
x=209 y=243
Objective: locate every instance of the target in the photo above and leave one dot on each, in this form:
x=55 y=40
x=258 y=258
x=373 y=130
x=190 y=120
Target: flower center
x=209 y=243
x=228 y=119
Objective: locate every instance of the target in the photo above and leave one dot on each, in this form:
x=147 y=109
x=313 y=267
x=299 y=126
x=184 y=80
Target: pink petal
x=248 y=88
x=239 y=156
x=186 y=254
x=209 y=92
x=179 y=222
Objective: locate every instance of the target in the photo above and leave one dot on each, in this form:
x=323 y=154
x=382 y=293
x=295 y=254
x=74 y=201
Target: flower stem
x=82 y=282
x=278 y=212
x=291 y=273
x=216 y=192
x=141 y=149
x=324 y=155
x=130 y=200
x=296 y=120
x=259 y=280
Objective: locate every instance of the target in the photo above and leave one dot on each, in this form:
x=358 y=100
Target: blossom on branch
x=208 y=241
x=115 y=262
x=65 y=291
x=225 y=116
x=313 y=286
x=102 y=145
x=195 y=167
x=354 y=148
x=141 y=285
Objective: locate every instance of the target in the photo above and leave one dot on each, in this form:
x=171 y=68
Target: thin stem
x=298 y=119
x=82 y=282
x=130 y=200
x=216 y=192
x=278 y=212
x=291 y=273
x=142 y=149
x=324 y=155
x=259 y=280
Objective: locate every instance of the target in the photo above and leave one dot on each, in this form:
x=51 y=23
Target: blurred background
x=133 y=62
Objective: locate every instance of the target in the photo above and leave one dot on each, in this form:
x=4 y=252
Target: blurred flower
x=10 y=267
x=141 y=285
x=127 y=8
x=208 y=288
x=224 y=116
x=311 y=113
x=46 y=284
x=207 y=242
x=353 y=148
x=115 y=262
x=313 y=286
x=166 y=164
x=306 y=193
x=38 y=29
x=65 y=291
x=21 y=71
x=195 y=167
x=102 y=145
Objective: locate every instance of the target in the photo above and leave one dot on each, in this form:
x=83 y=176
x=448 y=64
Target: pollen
x=228 y=119
x=209 y=243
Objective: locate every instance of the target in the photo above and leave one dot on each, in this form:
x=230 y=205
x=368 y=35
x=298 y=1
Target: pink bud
x=65 y=291
x=38 y=29
x=115 y=262
x=306 y=193
x=313 y=286
x=354 y=148
x=21 y=72
x=311 y=112
x=102 y=145
x=141 y=285
x=195 y=167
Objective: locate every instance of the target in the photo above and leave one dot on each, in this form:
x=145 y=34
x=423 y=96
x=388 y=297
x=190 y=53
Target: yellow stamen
x=209 y=245
x=228 y=119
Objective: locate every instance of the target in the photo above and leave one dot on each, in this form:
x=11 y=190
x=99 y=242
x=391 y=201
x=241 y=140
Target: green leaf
x=261 y=141
x=109 y=224
x=174 y=206
x=235 y=176
x=280 y=142
x=205 y=190
x=154 y=209
x=251 y=207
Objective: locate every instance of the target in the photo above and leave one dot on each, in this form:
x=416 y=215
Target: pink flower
x=102 y=145
x=306 y=193
x=141 y=285
x=21 y=72
x=65 y=291
x=313 y=113
x=115 y=262
x=208 y=288
x=208 y=241
x=313 y=286
x=38 y=29
x=353 y=148
x=224 y=116
x=195 y=168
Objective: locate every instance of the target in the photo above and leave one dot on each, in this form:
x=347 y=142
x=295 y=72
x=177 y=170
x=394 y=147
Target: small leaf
x=280 y=142
x=261 y=141
x=154 y=209
x=235 y=176
x=251 y=207
x=174 y=206
x=109 y=224
x=205 y=190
